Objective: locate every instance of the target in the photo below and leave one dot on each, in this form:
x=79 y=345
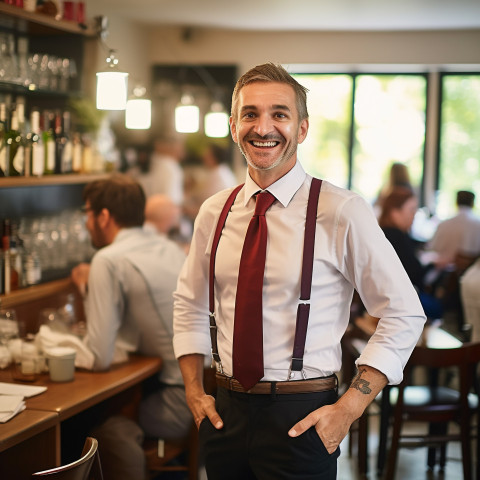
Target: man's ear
x=303 y=130
x=104 y=218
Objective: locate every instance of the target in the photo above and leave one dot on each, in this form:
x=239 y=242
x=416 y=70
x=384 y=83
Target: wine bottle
x=37 y=152
x=48 y=143
x=76 y=153
x=59 y=144
x=3 y=129
x=67 y=146
x=13 y=141
x=23 y=153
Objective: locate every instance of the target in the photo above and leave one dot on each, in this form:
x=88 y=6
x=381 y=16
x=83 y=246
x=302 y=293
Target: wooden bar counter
x=31 y=441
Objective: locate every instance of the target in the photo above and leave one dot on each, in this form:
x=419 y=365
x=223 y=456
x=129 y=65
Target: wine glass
x=8 y=325
x=8 y=331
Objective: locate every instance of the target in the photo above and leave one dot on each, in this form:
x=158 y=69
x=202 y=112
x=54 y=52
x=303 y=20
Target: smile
x=256 y=143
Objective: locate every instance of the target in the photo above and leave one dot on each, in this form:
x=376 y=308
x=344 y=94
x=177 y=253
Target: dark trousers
x=254 y=442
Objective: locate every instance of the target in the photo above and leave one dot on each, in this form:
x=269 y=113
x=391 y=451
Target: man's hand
x=79 y=276
x=332 y=422
x=201 y=405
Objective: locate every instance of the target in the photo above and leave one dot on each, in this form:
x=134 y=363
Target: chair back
x=464 y=358
x=87 y=467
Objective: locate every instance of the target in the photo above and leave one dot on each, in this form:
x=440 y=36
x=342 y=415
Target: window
x=459 y=158
x=325 y=151
x=360 y=124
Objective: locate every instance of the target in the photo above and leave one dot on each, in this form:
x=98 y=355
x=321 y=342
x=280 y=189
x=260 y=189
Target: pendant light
x=112 y=86
x=138 y=114
x=187 y=115
x=216 y=121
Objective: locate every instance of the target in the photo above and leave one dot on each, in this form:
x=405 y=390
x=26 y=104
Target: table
x=31 y=441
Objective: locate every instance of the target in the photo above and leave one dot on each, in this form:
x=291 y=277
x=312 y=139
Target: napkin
x=15 y=389
x=48 y=338
x=10 y=405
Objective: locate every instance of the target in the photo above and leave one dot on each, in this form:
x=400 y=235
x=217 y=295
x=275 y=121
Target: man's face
x=97 y=235
x=267 y=128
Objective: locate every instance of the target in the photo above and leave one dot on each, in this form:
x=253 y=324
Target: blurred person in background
x=162 y=171
x=163 y=216
x=396 y=218
x=219 y=173
x=217 y=177
x=397 y=177
x=459 y=234
x=127 y=291
x=470 y=295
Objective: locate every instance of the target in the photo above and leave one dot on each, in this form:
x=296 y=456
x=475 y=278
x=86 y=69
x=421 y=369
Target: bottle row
x=44 y=144
x=38 y=249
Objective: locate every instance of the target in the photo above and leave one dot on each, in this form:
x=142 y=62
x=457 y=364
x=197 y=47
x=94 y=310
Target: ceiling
x=311 y=15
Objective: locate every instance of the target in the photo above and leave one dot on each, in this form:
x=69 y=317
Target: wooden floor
x=411 y=464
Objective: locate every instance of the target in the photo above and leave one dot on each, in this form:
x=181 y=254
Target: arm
x=103 y=310
x=332 y=422
x=79 y=276
x=200 y=404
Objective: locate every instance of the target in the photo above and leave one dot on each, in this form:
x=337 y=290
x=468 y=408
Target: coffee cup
x=61 y=364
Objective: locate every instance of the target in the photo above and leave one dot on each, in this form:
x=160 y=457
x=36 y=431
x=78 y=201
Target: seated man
x=458 y=234
x=128 y=304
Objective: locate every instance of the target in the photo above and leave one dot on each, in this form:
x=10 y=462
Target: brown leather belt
x=266 y=388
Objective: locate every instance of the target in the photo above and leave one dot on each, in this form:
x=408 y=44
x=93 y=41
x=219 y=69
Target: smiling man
x=277 y=414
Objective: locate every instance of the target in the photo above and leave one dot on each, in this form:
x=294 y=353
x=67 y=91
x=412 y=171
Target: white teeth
x=264 y=144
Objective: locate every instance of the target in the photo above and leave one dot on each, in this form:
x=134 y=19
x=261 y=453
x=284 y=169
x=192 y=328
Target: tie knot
x=264 y=201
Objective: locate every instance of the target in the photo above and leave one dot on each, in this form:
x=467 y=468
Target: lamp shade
x=216 y=124
x=138 y=114
x=187 y=118
x=112 y=90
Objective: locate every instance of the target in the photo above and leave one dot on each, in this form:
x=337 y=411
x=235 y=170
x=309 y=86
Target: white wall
x=351 y=48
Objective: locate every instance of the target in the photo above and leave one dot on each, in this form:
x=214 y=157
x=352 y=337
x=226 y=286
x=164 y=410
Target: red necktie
x=248 y=330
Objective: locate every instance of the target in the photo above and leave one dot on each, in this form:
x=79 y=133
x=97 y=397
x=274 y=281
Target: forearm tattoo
x=360 y=384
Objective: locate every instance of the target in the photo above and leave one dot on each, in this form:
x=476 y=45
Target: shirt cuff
x=190 y=343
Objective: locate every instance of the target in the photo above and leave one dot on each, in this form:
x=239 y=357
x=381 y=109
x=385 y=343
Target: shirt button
x=292 y=375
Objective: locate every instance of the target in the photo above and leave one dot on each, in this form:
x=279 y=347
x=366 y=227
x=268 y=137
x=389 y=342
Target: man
x=164 y=174
x=129 y=308
x=459 y=234
x=161 y=214
x=293 y=435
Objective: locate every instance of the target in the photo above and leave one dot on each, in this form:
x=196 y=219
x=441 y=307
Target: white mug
x=61 y=364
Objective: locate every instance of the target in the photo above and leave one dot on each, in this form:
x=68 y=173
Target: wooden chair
x=178 y=455
x=173 y=456
x=87 y=467
x=437 y=405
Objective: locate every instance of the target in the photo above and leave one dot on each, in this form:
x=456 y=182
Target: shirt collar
x=284 y=188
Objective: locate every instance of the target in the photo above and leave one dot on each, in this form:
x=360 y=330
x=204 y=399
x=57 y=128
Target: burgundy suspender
x=213 y=253
x=303 y=309
x=306 y=282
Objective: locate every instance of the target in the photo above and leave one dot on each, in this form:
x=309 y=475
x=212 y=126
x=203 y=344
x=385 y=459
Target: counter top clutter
x=12 y=398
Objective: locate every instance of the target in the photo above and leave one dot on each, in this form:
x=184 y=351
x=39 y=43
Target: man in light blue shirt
x=129 y=308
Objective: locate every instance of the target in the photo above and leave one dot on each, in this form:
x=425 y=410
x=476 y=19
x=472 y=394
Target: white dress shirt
x=351 y=252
